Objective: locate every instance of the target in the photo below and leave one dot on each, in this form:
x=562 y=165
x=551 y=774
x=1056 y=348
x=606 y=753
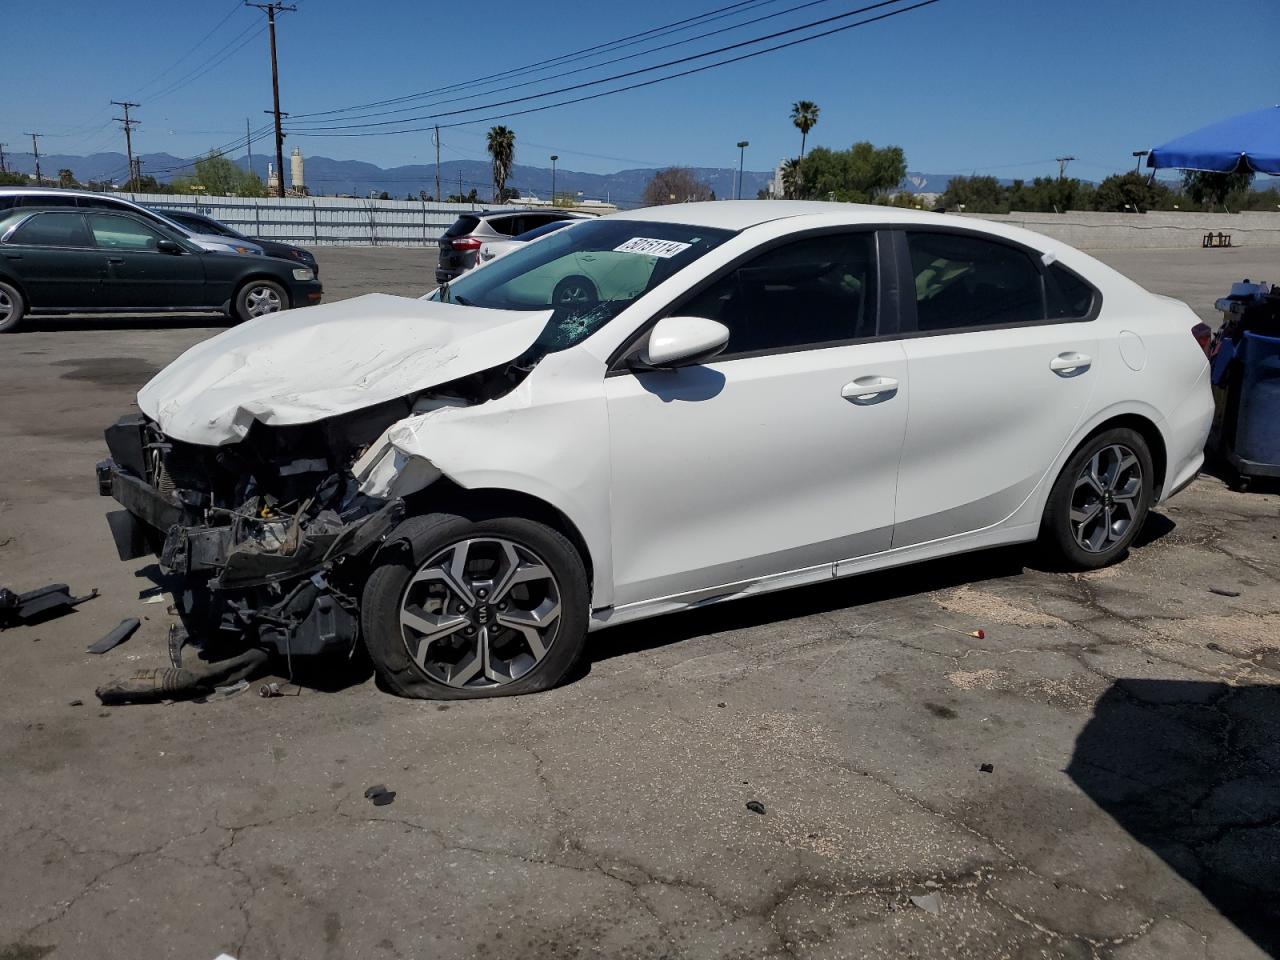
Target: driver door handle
x=865 y=391
x=1070 y=364
x=115 y=259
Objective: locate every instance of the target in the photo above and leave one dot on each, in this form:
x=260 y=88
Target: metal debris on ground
x=930 y=903
x=987 y=768
x=118 y=635
x=225 y=693
x=271 y=690
x=39 y=604
x=755 y=806
x=187 y=683
x=177 y=638
x=1224 y=593
x=379 y=795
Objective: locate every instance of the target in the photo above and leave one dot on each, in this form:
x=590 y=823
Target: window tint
x=1069 y=296
x=508 y=226
x=53 y=230
x=967 y=281
x=45 y=200
x=8 y=203
x=806 y=293
x=121 y=233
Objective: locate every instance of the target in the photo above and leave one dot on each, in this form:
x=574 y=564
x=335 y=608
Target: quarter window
x=807 y=293
x=121 y=233
x=52 y=230
x=1069 y=296
x=965 y=281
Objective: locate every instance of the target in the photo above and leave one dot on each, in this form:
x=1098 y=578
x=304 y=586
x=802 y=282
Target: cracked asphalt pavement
x=1130 y=718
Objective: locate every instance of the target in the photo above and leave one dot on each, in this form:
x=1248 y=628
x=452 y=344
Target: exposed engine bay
x=271 y=535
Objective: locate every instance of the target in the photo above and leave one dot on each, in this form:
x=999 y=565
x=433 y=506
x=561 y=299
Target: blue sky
x=987 y=86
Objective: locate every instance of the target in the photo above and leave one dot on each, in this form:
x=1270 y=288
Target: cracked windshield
x=587 y=274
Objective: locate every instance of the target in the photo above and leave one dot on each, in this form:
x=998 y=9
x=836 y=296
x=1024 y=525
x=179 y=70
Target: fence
x=1154 y=230
x=323 y=221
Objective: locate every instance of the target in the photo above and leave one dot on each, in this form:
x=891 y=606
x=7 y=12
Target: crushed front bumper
x=295 y=594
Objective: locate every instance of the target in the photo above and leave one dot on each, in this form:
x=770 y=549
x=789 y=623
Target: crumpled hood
x=304 y=365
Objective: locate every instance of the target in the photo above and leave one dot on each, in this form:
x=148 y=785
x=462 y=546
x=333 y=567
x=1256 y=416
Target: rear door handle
x=115 y=260
x=868 y=390
x=1070 y=364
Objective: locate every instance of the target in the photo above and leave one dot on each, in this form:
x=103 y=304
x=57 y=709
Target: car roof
x=484 y=214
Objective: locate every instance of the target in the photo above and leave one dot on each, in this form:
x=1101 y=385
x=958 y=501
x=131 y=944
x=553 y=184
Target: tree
x=507 y=194
x=804 y=114
x=790 y=179
x=1131 y=191
x=13 y=178
x=675 y=185
x=1205 y=186
x=67 y=179
x=149 y=184
x=857 y=175
x=502 y=151
x=976 y=195
x=217 y=176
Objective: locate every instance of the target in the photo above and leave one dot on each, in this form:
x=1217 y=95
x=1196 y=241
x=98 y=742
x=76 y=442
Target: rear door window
x=112 y=232
x=53 y=230
x=964 y=281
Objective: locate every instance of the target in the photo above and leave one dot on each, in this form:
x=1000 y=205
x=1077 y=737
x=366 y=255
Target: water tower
x=295 y=170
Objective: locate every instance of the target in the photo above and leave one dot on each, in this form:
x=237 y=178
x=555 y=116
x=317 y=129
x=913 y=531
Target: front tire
x=12 y=307
x=461 y=607
x=257 y=298
x=1099 y=502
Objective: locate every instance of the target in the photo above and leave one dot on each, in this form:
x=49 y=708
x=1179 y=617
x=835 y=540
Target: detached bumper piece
x=279 y=577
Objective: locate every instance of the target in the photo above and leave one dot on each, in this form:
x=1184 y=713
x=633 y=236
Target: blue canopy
x=1243 y=144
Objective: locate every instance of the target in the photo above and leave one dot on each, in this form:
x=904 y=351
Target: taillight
x=466 y=243
x=1204 y=336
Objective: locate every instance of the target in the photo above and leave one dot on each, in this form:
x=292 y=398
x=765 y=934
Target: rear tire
x=12 y=308
x=257 y=298
x=1099 y=501
x=462 y=606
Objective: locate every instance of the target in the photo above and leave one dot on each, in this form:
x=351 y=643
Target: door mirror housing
x=169 y=246
x=683 y=341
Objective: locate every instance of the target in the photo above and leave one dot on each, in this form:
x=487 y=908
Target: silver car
x=11 y=197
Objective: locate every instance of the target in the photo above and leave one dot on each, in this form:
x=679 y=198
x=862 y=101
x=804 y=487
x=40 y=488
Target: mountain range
x=358 y=178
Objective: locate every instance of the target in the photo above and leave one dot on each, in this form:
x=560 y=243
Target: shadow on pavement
x=1192 y=771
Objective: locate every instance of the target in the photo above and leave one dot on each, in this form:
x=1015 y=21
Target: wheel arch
x=1146 y=428
x=17 y=285
x=446 y=495
x=244 y=281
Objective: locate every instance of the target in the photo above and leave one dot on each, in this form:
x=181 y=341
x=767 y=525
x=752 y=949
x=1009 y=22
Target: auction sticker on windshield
x=652 y=248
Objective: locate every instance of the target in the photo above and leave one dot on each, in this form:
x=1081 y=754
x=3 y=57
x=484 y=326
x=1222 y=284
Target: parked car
x=199 y=223
x=471 y=483
x=461 y=243
x=492 y=249
x=17 y=197
x=106 y=261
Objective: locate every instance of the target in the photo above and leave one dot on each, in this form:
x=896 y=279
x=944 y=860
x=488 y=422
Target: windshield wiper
x=461 y=301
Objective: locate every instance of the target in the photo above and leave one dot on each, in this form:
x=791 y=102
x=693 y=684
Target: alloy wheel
x=261 y=300
x=575 y=293
x=6 y=307
x=1105 y=500
x=481 y=612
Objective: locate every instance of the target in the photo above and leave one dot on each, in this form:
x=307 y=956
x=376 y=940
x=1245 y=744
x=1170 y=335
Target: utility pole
x=271 y=9
x=459 y=184
x=35 y=150
x=742 y=153
x=435 y=137
x=2 y=166
x=1062 y=165
x=554 y=158
x=248 y=143
x=1137 y=156
x=128 y=134
x=135 y=172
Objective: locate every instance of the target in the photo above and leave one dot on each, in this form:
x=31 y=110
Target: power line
x=646 y=83
x=590 y=67
x=128 y=136
x=222 y=54
x=169 y=69
x=272 y=8
x=563 y=58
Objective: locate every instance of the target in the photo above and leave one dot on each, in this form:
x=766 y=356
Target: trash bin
x=1251 y=430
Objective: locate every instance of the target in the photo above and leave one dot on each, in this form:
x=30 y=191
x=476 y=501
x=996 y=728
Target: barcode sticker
x=652 y=248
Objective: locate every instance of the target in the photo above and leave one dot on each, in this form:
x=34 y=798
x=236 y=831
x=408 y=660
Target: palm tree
x=502 y=150
x=790 y=179
x=804 y=114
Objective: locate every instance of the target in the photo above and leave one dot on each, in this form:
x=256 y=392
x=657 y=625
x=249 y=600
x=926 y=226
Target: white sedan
x=755 y=395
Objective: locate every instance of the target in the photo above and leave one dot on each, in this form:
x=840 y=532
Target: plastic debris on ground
x=42 y=603
x=379 y=795
x=987 y=768
x=930 y=903
x=755 y=806
x=118 y=635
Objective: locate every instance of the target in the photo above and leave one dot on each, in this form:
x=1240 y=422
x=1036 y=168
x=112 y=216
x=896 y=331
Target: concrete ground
x=1130 y=718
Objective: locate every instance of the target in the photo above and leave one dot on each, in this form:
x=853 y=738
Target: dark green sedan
x=84 y=261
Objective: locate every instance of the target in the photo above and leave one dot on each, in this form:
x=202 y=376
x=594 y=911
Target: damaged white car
x=734 y=398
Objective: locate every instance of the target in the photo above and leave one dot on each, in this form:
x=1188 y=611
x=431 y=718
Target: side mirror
x=683 y=341
x=169 y=246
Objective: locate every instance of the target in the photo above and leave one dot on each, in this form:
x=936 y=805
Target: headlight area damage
x=243 y=471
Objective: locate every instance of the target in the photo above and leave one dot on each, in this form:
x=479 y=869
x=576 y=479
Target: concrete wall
x=1121 y=231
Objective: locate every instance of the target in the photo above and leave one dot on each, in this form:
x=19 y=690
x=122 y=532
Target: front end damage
x=268 y=537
